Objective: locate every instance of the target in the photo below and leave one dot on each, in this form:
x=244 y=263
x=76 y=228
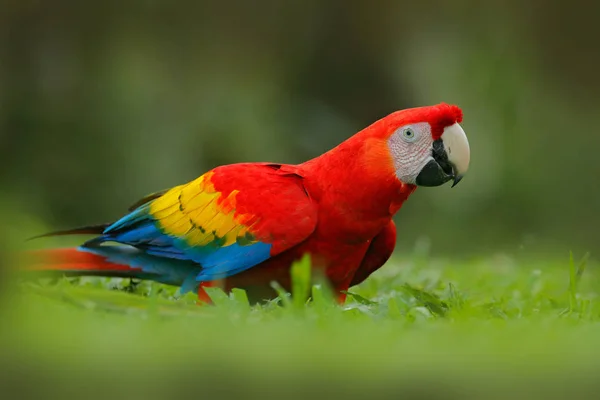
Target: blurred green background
x=104 y=102
x=101 y=104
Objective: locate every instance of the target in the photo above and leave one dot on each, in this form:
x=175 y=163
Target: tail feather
x=114 y=261
x=74 y=262
x=85 y=230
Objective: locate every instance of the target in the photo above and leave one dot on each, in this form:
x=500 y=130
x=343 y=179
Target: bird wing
x=227 y=221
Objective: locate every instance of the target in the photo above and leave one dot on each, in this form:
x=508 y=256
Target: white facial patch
x=411 y=148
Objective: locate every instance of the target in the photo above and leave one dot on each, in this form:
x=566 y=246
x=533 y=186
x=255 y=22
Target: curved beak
x=450 y=158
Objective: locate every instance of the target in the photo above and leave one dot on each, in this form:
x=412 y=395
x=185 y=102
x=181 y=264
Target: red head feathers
x=439 y=117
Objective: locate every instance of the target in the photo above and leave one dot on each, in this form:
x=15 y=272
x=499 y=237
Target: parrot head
x=427 y=145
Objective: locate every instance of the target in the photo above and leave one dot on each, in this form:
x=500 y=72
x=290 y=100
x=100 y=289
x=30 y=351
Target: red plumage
x=72 y=260
x=338 y=207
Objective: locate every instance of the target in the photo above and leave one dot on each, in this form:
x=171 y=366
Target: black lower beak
x=432 y=174
x=439 y=170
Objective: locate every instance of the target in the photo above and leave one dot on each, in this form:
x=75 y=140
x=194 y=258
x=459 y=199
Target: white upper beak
x=457 y=148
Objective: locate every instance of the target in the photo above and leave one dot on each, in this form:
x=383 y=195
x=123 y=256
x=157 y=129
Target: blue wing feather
x=164 y=270
x=139 y=229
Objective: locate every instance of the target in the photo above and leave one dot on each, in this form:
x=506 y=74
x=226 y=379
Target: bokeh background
x=102 y=103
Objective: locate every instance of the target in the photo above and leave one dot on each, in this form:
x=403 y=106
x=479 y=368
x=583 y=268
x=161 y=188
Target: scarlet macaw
x=242 y=225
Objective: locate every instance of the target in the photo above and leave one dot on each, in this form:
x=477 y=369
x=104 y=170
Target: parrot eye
x=409 y=134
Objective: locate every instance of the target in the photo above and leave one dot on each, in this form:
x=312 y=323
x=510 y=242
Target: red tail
x=73 y=261
x=81 y=262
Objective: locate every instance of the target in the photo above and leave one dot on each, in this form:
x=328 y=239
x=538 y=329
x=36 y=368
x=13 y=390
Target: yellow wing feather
x=200 y=214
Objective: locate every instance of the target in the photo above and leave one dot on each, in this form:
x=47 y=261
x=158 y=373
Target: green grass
x=485 y=328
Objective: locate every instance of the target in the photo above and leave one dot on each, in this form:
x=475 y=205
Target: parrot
x=243 y=225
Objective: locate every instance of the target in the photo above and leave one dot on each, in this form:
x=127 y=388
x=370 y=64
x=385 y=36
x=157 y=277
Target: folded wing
x=227 y=221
